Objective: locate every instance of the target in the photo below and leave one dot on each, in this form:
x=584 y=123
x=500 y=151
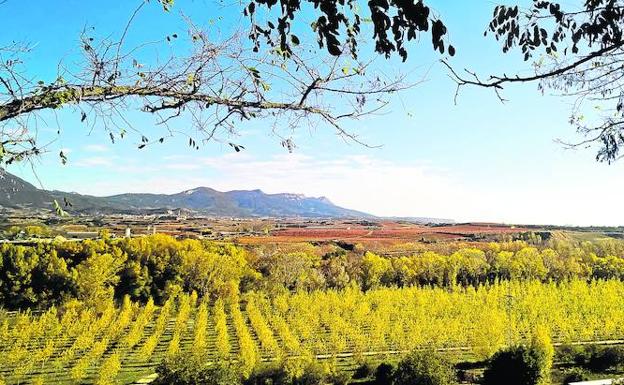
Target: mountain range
x=17 y=193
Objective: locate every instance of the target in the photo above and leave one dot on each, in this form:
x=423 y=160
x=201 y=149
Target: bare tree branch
x=216 y=84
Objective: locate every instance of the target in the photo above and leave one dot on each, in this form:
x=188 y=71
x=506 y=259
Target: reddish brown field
x=384 y=232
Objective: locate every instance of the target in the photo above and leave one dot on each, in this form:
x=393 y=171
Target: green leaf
x=166 y=4
x=59 y=210
x=254 y=72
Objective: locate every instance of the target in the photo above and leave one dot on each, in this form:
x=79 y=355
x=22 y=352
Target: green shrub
x=424 y=368
x=312 y=373
x=575 y=354
x=269 y=375
x=575 y=375
x=365 y=370
x=592 y=357
x=519 y=365
x=469 y=376
x=384 y=374
x=606 y=359
x=185 y=371
x=339 y=378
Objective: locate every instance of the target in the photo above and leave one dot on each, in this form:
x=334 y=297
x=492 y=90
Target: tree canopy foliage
x=159 y=267
x=394 y=24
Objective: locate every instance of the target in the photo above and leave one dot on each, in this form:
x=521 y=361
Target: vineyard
x=386 y=232
x=123 y=344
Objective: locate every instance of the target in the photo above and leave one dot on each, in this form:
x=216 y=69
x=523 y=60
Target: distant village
x=22 y=226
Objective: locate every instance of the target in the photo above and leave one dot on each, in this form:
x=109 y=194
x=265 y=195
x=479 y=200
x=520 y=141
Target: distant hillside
x=424 y=220
x=17 y=193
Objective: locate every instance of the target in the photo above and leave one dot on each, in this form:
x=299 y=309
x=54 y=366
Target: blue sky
x=479 y=160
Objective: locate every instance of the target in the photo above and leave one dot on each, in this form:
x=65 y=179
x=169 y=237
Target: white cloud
x=183 y=166
x=358 y=182
x=96 y=148
x=95 y=161
x=383 y=187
